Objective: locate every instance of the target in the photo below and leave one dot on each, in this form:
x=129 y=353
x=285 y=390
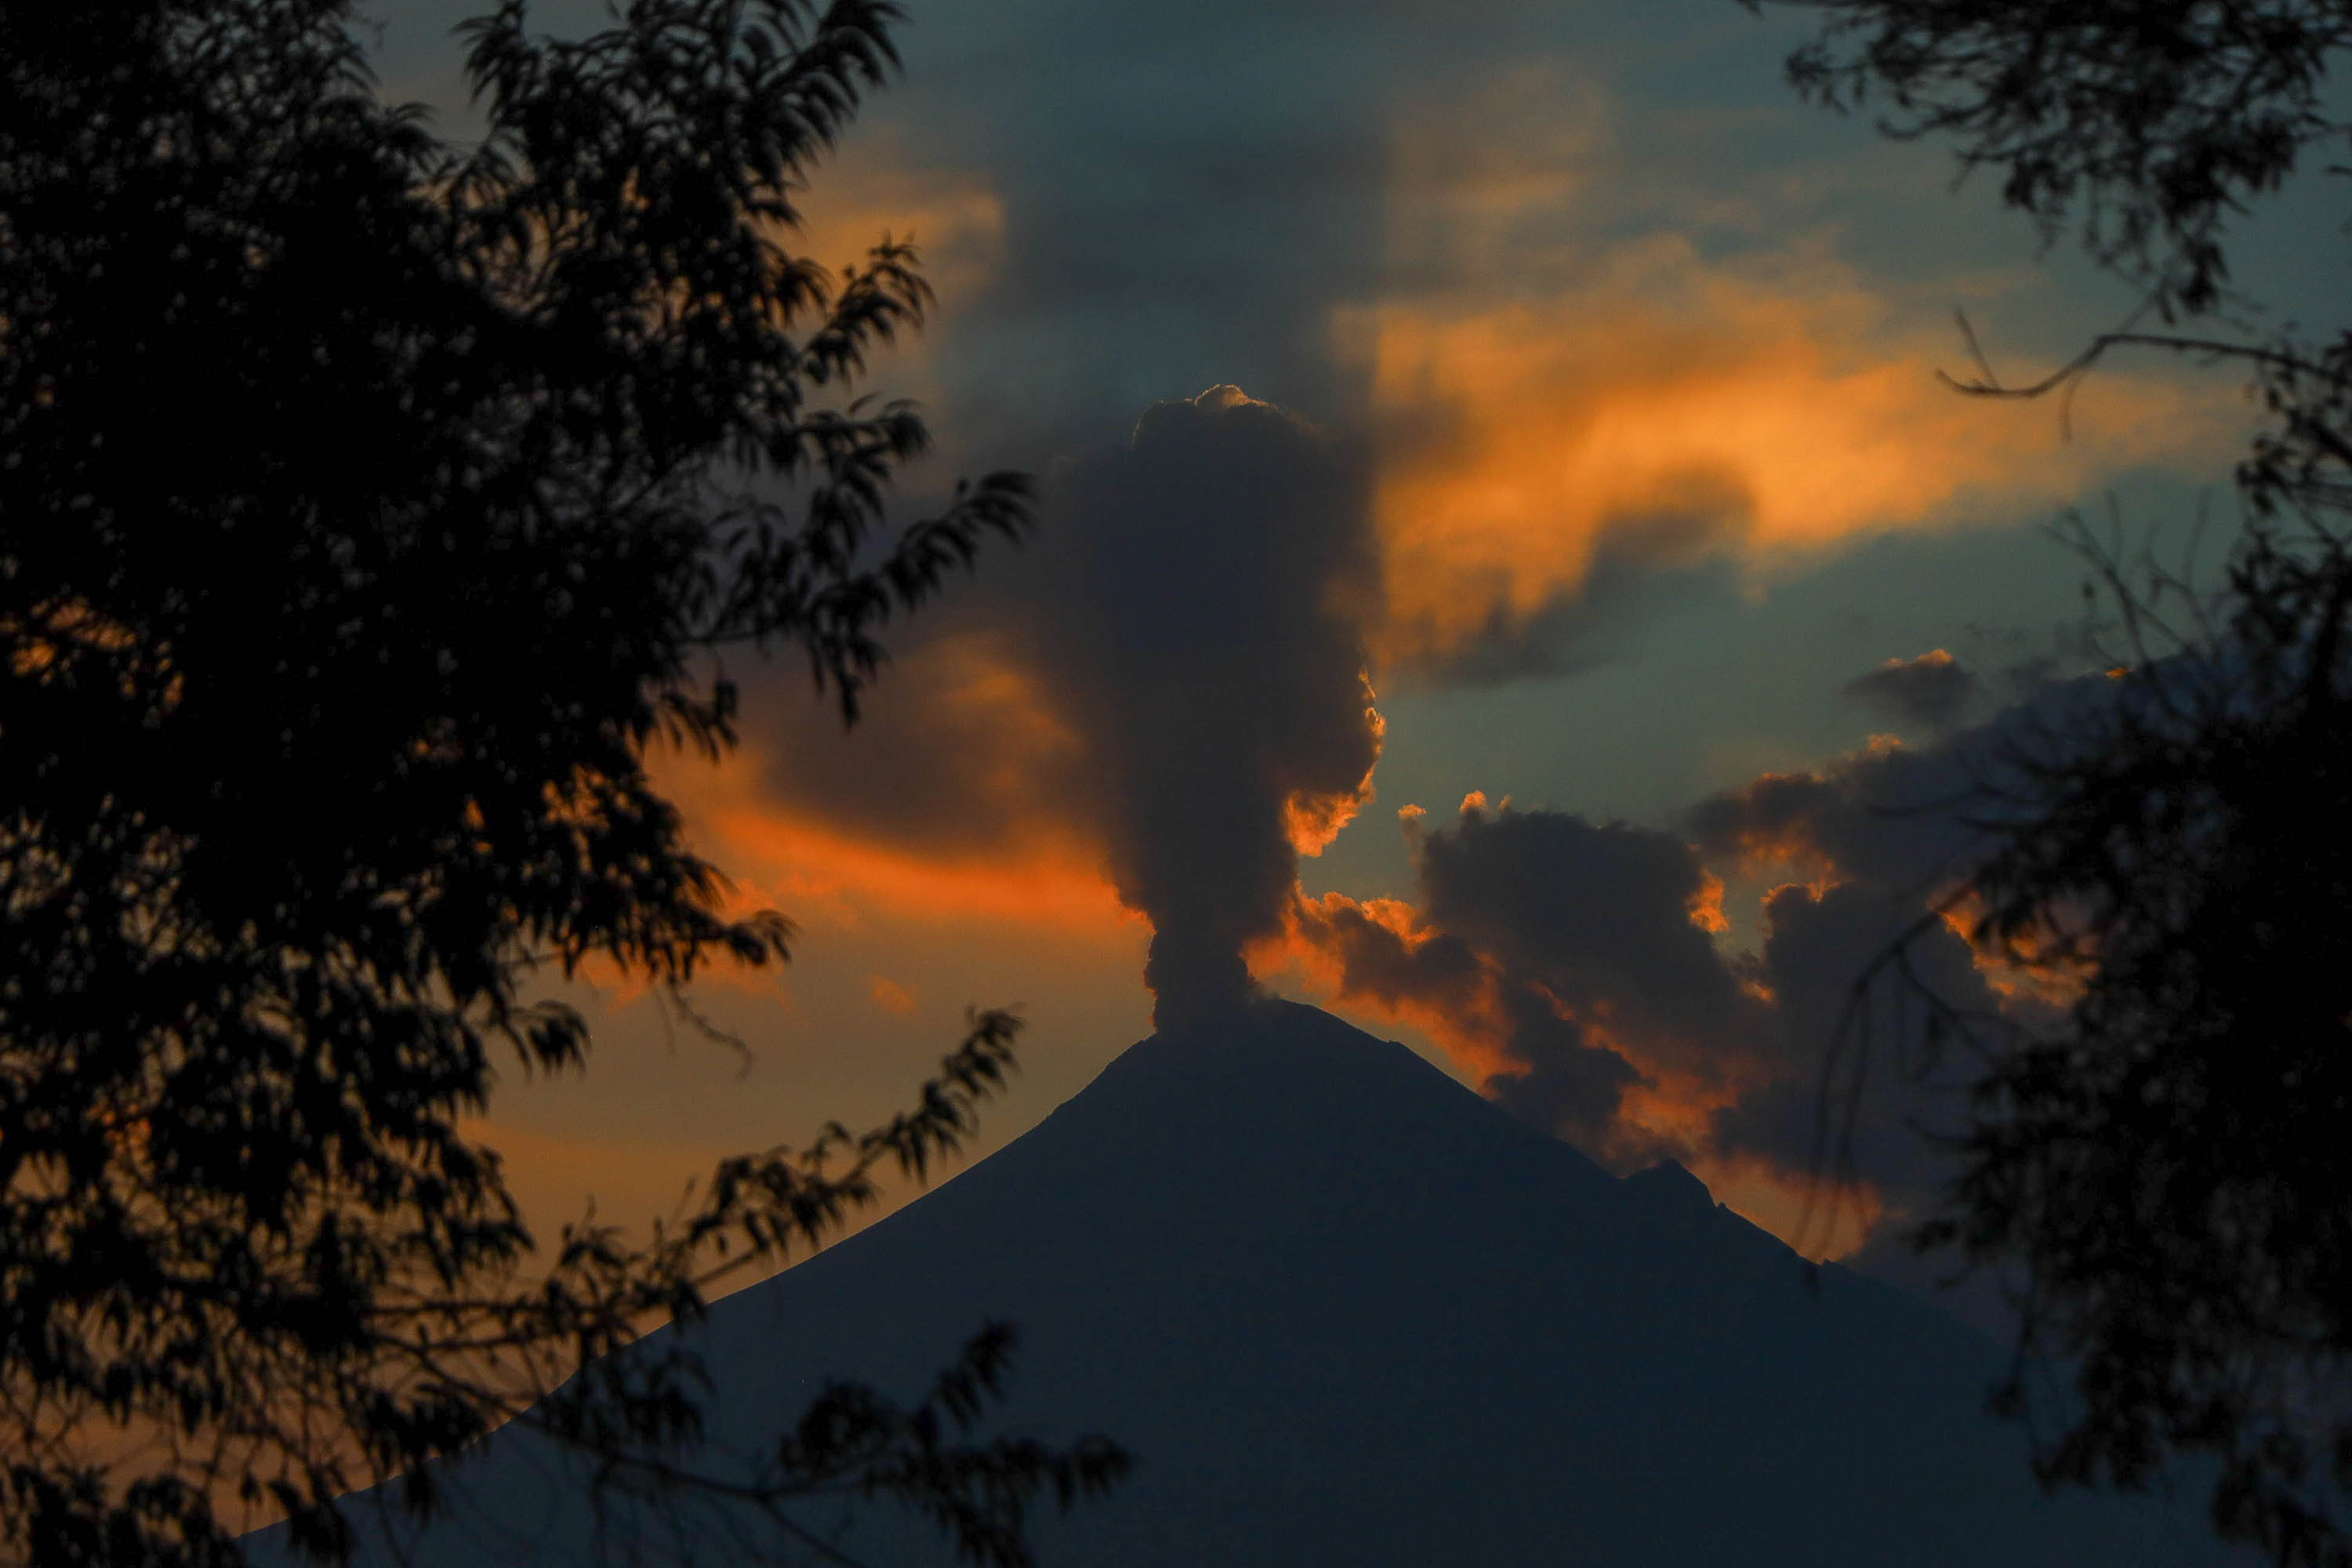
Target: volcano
x=1343 y=1311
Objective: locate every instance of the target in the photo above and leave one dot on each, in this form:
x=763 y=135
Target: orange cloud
x=1707 y=905
x=1671 y=408
x=798 y=864
x=2035 y=967
x=948 y=802
x=788 y=854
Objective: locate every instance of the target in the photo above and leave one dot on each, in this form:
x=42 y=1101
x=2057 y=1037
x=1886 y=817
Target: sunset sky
x=1504 y=536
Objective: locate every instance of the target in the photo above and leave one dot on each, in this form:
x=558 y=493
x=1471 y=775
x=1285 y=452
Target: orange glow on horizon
x=1819 y=1220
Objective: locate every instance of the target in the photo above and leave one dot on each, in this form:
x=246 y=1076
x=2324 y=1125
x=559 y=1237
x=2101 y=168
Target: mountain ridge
x=1345 y=1309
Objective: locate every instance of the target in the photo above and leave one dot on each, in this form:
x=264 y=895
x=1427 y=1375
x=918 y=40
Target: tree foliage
x=2151 y=128
x=371 y=507
x=2150 y=125
x=2168 y=1160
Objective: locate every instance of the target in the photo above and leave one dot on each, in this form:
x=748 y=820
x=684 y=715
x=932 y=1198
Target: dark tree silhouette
x=2171 y=1164
x=2168 y=1162
x=369 y=507
x=2151 y=126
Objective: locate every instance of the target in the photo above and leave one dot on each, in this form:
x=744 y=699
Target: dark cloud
x=1883 y=837
x=1200 y=596
x=1906 y=819
x=1641 y=566
x=960 y=756
x=1172 y=671
x=1893 y=816
x=1599 y=915
x=1935 y=690
x=1570 y=961
x=1378 y=962
x=1570 y=1085
x=1880 y=835
x=1562 y=953
x=1855 y=1077
x=1551 y=1072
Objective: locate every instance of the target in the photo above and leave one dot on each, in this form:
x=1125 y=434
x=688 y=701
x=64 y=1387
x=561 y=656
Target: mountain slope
x=1346 y=1312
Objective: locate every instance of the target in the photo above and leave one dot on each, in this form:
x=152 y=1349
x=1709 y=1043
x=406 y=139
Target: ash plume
x=1209 y=586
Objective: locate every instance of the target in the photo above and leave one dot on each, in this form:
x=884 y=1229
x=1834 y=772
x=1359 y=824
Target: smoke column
x=1206 y=589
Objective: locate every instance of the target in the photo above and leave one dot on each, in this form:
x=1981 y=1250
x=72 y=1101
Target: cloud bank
x=1584 y=972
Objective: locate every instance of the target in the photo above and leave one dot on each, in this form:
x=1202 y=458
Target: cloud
x=1559 y=399
x=803 y=839
x=1490 y=178
x=955 y=217
x=964 y=753
x=1531 y=1056
x=1659 y=411
x=1583 y=972
x=1603 y=917
x=1569 y=964
x=1878 y=839
x=1890 y=816
x=1820 y=942
x=1935 y=690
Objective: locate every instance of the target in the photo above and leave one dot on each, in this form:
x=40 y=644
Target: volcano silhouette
x=1345 y=1311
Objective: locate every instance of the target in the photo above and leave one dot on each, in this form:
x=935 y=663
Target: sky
x=1504 y=547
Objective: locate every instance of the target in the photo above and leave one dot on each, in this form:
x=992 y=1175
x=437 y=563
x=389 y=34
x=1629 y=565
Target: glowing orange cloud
x=801 y=864
x=1669 y=408
x=2033 y=967
x=947 y=802
x=1707 y=905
